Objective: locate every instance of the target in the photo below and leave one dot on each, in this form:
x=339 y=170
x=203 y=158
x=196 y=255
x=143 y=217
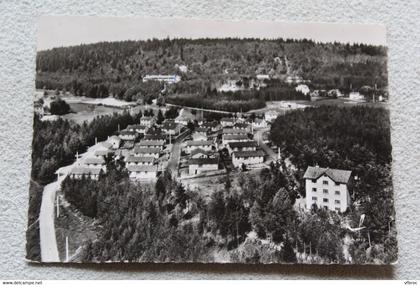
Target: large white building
x=242 y=146
x=192 y=145
x=142 y=172
x=147 y=121
x=247 y=157
x=139 y=160
x=151 y=143
x=327 y=188
x=201 y=165
x=162 y=78
x=84 y=172
x=234 y=138
x=147 y=151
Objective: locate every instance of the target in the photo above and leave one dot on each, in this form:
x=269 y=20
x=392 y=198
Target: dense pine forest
x=116 y=69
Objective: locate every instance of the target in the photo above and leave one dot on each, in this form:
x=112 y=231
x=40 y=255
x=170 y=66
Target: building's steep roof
x=151 y=143
x=95 y=160
x=146 y=150
x=338 y=175
x=202 y=161
x=85 y=171
x=199 y=143
x=245 y=154
x=142 y=168
x=133 y=158
x=242 y=144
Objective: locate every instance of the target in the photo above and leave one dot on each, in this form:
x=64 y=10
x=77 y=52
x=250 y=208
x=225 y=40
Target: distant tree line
x=117 y=68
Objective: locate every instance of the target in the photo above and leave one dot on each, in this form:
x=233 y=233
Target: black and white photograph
x=203 y=141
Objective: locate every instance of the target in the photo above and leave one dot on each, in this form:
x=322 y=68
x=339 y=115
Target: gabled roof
x=127 y=132
x=133 y=158
x=85 y=171
x=151 y=143
x=142 y=168
x=199 y=150
x=235 y=137
x=151 y=137
x=202 y=161
x=198 y=143
x=136 y=127
x=245 y=154
x=234 y=131
x=227 y=120
x=337 y=175
x=94 y=160
x=146 y=150
x=242 y=144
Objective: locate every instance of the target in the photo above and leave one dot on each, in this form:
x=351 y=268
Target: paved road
x=48 y=241
x=272 y=156
x=173 y=161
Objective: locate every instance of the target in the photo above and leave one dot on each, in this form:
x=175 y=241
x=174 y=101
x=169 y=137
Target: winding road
x=47 y=238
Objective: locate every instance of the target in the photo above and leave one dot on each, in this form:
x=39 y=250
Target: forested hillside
x=117 y=68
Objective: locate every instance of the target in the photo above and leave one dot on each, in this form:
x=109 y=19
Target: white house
x=95 y=162
x=303 y=88
x=201 y=165
x=140 y=129
x=80 y=172
x=115 y=141
x=127 y=135
x=170 y=127
x=262 y=77
x=151 y=143
x=270 y=116
x=250 y=145
x=199 y=136
x=247 y=157
x=213 y=125
x=234 y=138
x=191 y=145
x=154 y=137
x=227 y=122
x=242 y=126
x=142 y=172
x=356 y=96
x=327 y=188
x=182 y=121
x=259 y=123
x=162 y=78
x=139 y=160
x=200 y=153
x=146 y=151
x=147 y=121
x=234 y=131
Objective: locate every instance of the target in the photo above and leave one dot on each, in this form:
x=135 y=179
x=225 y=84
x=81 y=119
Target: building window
x=337 y=192
x=314 y=180
x=325 y=191
x=325 y=200
x=325 y=182
x=337 y=209
x=314 y=199
x=325 y=207
x=337 y=201
x=313 y=189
